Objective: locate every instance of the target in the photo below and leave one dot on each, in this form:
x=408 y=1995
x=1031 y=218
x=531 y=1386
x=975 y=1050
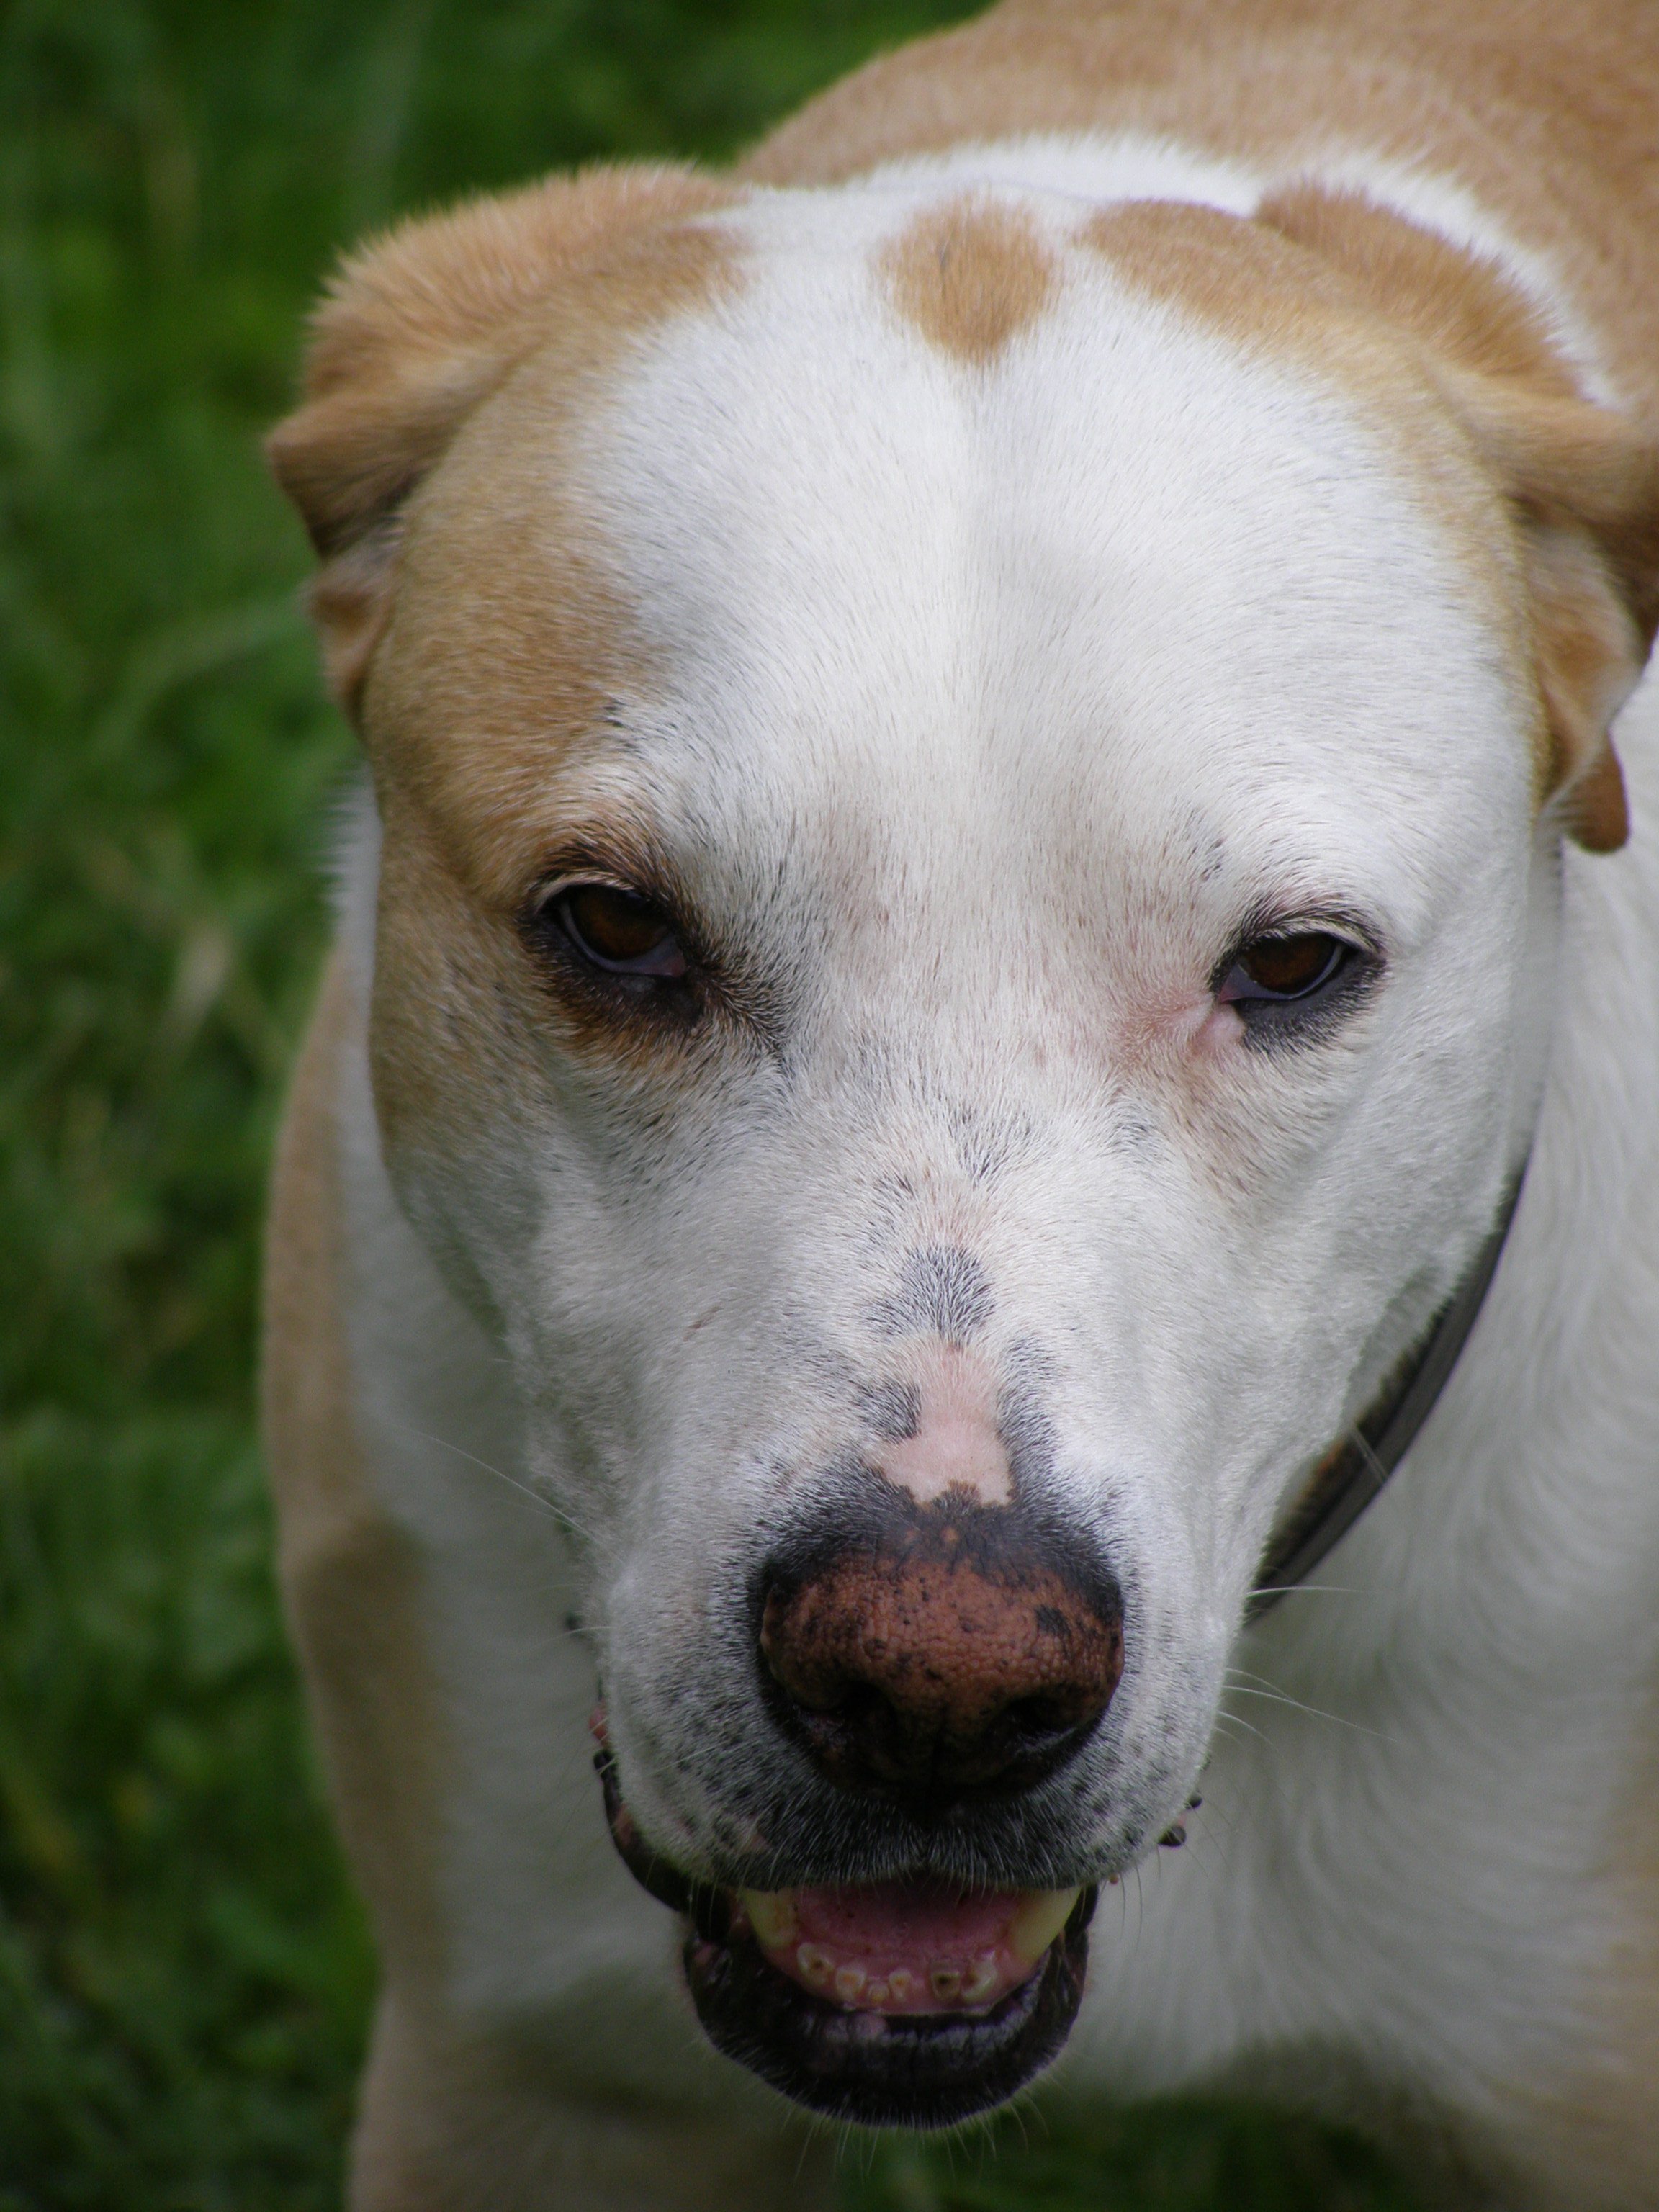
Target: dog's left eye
x=1287 y=985
x=1282 y=969
x=619 y=932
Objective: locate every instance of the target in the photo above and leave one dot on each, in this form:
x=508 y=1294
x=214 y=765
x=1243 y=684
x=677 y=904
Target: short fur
x=1090 y=478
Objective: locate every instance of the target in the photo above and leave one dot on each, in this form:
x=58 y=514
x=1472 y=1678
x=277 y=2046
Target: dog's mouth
x=903 y=2003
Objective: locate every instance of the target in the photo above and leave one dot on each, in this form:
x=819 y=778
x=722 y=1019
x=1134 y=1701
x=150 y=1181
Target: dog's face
x=963 y=920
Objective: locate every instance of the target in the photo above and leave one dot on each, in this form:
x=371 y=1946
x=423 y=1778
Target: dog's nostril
x=960 y=1658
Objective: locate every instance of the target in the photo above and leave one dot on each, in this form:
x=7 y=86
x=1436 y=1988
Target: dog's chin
x=900 y=2003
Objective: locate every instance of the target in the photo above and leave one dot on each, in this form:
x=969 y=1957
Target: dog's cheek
x=460 y=1092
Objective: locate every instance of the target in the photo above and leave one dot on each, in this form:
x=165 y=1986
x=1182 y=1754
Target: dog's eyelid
x=1275 y=924
x=551 y=889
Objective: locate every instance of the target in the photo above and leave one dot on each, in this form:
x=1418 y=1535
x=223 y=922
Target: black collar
x=1352 y=1472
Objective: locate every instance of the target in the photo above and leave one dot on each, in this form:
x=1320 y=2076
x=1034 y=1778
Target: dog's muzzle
x=927 y=1660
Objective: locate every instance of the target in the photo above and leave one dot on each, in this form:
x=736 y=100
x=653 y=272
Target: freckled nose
x=956 y=1446
x=937 y=1652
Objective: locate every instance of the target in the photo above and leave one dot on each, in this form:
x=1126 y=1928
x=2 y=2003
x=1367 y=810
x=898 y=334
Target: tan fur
x=435 y=349
x=1461 y=309
x=417 y=327
x=351 y=1582
x=420 y=327
x=1363 y=297
x=473 y=699
x=969 y=277
x=447 y=2123
x=473 y=2127
x=1520 y=401
x=1544 y=108
x=1597 y=2129
x=1545 y=112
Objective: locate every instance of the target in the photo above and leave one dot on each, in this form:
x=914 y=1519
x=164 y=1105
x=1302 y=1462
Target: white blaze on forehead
x=973 y=622
x=956 y=1446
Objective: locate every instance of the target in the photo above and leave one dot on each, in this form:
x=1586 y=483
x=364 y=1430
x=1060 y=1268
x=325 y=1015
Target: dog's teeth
x=849 y=1984
x=980 y=1979
x=901 y=1981
x=1040 y=1919
x=771 y=1915
x=945 y=1982
x=876 y=1993
x=816 y=1966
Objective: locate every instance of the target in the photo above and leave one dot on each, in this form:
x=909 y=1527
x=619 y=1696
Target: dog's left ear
x=419 y=326
x=1582 y=481
x=1585 y=486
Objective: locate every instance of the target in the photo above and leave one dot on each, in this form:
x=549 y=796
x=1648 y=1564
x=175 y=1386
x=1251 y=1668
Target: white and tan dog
x=994 y=836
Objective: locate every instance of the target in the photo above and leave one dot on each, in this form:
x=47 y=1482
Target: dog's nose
x=940 y=1653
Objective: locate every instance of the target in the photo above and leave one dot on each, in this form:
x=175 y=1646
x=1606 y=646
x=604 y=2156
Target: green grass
x=183 y=1973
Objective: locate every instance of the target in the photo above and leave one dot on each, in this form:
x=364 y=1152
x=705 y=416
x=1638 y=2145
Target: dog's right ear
x=414 y=330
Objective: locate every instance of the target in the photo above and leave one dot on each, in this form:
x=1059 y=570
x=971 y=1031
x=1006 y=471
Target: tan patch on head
x=1274 y=300
x=1542 y=109
x=1551 y=504
x=506 y=635
x=1582 y=481
x=421 y=327
x=1462 y=309
x=971 y=275
x=472 y=620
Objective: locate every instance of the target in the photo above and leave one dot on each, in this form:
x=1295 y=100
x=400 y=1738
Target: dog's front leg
x=452 y=2126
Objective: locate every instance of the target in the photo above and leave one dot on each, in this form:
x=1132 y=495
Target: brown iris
x=619 y=931
x=1291 y=967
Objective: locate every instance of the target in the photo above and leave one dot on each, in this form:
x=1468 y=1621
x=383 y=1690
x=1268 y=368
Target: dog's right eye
x=618 y=932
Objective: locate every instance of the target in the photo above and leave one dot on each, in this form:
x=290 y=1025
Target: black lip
x=880 y=2069
x=877 y=2069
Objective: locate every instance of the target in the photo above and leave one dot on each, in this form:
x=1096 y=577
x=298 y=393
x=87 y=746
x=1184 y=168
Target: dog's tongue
x=898 y=1946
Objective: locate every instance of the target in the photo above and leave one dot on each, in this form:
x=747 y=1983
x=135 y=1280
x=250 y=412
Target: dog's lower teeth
x=897 y=1947
x=980 y=1980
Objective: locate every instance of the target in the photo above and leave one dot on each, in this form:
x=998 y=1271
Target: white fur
x=994 y=698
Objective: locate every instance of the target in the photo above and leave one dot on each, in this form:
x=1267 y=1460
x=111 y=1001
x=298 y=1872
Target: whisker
x=1302 y=1590
x=1379 y=1474
x=1238 y=1721
x=536 y=1497
x=1314 y=1712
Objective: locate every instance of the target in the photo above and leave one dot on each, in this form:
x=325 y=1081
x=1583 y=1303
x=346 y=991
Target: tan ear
x=1580 y=480
x=414 y=330
x=1584 y=483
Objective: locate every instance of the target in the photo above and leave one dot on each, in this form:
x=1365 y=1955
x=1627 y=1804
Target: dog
x=1000 y=946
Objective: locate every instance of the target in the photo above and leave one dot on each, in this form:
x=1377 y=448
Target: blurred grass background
x=184 y=1974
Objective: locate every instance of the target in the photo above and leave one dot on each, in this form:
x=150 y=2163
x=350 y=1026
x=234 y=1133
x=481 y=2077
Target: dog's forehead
x=941 y=498
x=965 y=517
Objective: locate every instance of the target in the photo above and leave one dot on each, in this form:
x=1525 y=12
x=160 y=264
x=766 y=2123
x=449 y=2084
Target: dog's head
x=970 y=791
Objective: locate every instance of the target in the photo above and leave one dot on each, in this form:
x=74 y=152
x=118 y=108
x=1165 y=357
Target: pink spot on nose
x=956 y=1445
